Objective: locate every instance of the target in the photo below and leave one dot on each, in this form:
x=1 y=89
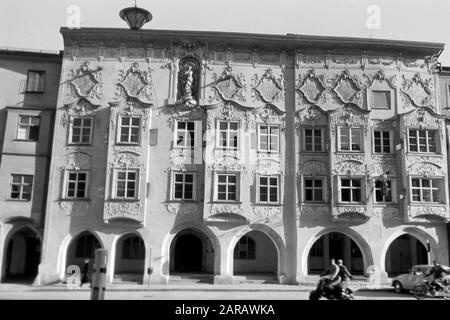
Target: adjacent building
x=231 y=157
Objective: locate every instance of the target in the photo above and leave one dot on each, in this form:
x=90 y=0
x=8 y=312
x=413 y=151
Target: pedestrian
x=345 y=276
x=85 y=277
x=333 y=274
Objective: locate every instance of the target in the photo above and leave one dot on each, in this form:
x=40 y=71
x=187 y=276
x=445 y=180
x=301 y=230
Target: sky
x=35 y=24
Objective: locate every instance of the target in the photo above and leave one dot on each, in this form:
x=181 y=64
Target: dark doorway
x=403 y=253
x=81 y=251
x=23 y=254
x=188 y=253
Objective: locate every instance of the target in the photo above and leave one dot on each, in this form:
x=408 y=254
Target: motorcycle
x=336 y=293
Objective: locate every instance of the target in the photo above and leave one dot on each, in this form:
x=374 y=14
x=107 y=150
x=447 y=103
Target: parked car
x=416 y=275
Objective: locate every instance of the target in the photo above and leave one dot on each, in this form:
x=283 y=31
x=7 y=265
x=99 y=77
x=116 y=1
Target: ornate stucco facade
x=250 y=154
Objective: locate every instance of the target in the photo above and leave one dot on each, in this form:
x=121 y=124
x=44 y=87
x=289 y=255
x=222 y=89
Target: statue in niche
x=188 y=82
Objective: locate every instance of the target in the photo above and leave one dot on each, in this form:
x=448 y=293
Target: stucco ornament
x=312 y=86
x=351 y=212
x=268 y=88
x=268 y=213
x=381 y=75
x=135 y=83
x=78 y=160
x=86 y=81
x=349 y=168
x=230 y=112
x=124 y=210
x=418 y=90
x=226 y=164
x=351 y=116
x=79 y=108
x=426 y=169
x=387 y=212
x=270 y=115
x=182 y=209
x=228 y=86
x=127 y=160
x=223 y=208
x=314 y=168
x=428 y=212
x=74 y=208
x=315 y=213
x=423 y=118
x=349 y=88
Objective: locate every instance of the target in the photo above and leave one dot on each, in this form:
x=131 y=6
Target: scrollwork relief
x=426 y=169
x=183 y=209
x=418 y=90
x=268 y=88
x=268 y=212
x=135 y=83
x=86 y=81
x=349 y=168
x=415 y=212
x=349 y=88
x=220 y=208
x=74 y=208
x=130 y=210
x=228 y=86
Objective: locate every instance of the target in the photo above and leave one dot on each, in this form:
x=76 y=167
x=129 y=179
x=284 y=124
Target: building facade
x=29 y=83
x=234 y=157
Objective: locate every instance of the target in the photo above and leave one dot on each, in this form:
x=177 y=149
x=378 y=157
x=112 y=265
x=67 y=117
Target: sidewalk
x=8 y=287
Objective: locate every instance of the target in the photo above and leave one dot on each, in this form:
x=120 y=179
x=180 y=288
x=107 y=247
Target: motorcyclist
x=332 y=273
x=345 y=277
x=438 y=274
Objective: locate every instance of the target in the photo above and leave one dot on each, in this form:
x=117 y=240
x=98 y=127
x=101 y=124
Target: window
x=381 y=99
x=422 y=140
x=227 y=187
x=76 y=185
x=317 y=248
x=313 y=140
x=133 y=249
x=351 y=190
x=427 y=190
x=245 y=249
x=228 y=134
x=129 y=129
x=21 y=187
x=269 y=138
x=313 y=189
x=383 y=191
x=35 y=81
x=28 y=128
x=81 y=130
x=350 y=139
x=185 y=134
x=86 y=246
x=268 y=189
x=183 y=186
x=126 y=184
x=382 y=141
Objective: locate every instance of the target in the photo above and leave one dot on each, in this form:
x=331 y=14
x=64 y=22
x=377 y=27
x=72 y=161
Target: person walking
x=85 y=277
x=345 y=276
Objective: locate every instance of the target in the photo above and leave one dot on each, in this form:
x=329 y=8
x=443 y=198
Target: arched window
x=86 y=246
x=245 y=249
x=133 y=248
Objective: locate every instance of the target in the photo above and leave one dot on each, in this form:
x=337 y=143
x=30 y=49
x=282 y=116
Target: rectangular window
x=28 y=128
x=382 y=141
x=76 y=185
x=81 y=130
x=21 y=187
x=269 y=138
x=130 y=128
x=35 y=81
x=227 y=187
x=427 y=190
x=313 y=189
x=268 y=189
x=126 y=184
x=185 y=134
x=183 y=186
x=422 y=140
x=228 y=134
x=351 y=190
x=381 y=99
x=350 y=139
x=313 y=140
x=383 y=191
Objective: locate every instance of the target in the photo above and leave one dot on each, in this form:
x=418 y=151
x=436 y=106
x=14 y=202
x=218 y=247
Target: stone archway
x=191 y=251
x=23 y=254
x=404 y=252
x=81 y=250
x=255 y=253
x=129 y=264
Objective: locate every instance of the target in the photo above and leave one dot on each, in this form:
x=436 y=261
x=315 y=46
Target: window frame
x=119 y=129
x=175 y=135
x=194 y=186
x=322 y=141
x=258 y=193
x=392 y=189
x=436 y=136
x=21 y=184
x=391 y=141
x=140 y=244
x=42 y=73
x=362 y=188
x=373 y=99
x=28 y=127
x=259 y=138
x=324 y=181
x=441 y=188
x=218 y=136
x=361 y=134
x=238 y=186
x=137 y=184
x=65 y=195
x=91 y=130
